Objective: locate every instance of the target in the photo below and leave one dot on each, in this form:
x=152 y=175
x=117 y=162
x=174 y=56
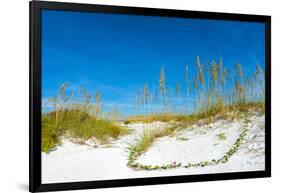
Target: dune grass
x=179 y=122
x=230 y=112
x=77 y=124
x=147 y=138
x=209 y=88
x=80 y=120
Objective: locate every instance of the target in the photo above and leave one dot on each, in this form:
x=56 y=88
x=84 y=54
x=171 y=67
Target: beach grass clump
x=78 y=125
x=50 y=135
x=81 y=120
x=147 y=138
x=144 y=142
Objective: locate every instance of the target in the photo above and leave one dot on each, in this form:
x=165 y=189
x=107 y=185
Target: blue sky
x=117 y=54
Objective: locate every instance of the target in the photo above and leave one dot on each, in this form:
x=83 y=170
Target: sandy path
x=72 y=162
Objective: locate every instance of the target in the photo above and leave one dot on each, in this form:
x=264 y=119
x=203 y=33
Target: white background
x=14 y=38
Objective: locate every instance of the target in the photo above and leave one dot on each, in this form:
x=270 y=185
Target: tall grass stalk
x=215 y=88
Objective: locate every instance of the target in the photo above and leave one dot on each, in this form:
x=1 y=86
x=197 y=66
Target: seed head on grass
x=200 y=71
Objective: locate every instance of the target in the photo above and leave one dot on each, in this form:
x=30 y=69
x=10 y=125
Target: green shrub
x=127 y=122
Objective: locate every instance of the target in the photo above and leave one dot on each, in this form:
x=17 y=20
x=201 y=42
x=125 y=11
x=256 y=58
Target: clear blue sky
x=117 y=54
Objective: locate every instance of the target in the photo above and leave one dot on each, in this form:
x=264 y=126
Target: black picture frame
x=35 y=184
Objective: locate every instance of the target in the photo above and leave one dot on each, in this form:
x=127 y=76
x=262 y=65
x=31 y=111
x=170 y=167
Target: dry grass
x=231 y=112
x=215 y=88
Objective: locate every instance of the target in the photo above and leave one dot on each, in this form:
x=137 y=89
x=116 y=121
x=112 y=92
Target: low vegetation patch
x=221 y=136
x=182 y=138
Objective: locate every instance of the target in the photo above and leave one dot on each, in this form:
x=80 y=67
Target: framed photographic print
x=125 y=96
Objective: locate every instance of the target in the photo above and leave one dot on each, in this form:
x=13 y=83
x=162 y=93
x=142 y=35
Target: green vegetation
x=148 y=136
x=81 y=121
x=221 y=136
x=182 y=139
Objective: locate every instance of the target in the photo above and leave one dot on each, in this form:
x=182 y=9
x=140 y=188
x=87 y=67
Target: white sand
x=72 y=162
